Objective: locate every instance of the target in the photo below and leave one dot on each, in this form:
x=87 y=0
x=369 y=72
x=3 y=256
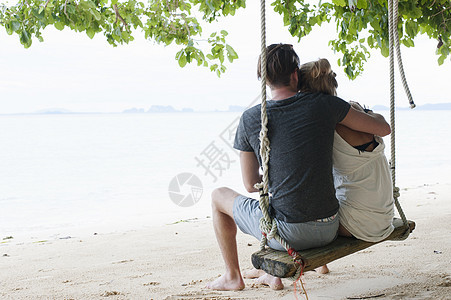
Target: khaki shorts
x=312 y=234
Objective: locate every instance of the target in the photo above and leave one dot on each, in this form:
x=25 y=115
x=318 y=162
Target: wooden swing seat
x=280 y=264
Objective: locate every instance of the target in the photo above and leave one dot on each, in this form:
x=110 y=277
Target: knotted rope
x=268 y=225
x=394 y=39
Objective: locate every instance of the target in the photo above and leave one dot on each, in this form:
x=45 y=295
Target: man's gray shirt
x=301 y=134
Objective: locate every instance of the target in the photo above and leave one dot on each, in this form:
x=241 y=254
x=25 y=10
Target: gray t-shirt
x=301 y=134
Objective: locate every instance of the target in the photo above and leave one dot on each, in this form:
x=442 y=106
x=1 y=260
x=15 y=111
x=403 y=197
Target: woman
x=361 y=173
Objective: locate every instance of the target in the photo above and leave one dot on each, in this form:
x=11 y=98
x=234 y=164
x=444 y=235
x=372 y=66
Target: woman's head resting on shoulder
x=317 y=77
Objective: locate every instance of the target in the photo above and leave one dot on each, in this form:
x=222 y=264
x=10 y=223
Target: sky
x=70 y=71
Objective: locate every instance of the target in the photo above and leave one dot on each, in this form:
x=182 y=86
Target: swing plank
x=280 y=264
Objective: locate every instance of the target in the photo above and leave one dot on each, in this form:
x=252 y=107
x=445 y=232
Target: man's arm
x=366 y=122
x=250 y=170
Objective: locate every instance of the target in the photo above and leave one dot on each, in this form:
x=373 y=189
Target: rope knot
x=396 y=193
x=292 y=252
x=259 y=186
x=269 y=228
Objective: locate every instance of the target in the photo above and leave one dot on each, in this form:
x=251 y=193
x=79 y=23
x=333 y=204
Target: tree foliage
x=163 y=21
x=361 y=24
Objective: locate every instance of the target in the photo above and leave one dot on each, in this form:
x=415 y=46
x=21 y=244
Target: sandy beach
x=175 y=261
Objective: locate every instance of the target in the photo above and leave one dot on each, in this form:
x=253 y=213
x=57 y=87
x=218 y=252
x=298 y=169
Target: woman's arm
x=250 y=170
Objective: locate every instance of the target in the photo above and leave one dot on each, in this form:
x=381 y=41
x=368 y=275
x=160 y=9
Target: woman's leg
x=342 y=232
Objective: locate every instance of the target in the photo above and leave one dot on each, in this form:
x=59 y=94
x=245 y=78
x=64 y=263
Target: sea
x=66 y=175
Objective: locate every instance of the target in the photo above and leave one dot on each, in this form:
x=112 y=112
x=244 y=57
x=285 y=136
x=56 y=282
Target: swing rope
x=268 y=225
x=394 y=39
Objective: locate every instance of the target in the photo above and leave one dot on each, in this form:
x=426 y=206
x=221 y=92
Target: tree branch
x=118 y=16
x=184 y=19
x=444 y=22
x=46 y=3
x=440 y=42
x=65 y=6
x=441 y=12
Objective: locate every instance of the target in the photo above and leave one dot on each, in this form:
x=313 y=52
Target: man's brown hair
x=317 y=76
x=281 y=62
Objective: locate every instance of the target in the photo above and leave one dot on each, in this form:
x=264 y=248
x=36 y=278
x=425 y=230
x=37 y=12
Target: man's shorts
x=247 y=214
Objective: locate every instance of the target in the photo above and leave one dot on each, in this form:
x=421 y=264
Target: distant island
x=437 y=106
x=231 y=108
x=171 y=109
x=53 y=111
x=237 y=108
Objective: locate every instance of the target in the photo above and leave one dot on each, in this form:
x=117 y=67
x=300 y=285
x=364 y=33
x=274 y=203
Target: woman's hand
x=356 y=105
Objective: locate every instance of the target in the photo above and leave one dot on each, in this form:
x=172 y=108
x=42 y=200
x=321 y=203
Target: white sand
x=175 y=262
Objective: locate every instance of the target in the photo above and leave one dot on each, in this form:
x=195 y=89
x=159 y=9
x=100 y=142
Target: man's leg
x=225 y=230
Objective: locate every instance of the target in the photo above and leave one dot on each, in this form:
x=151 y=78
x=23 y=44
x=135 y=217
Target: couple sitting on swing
x=328 y=174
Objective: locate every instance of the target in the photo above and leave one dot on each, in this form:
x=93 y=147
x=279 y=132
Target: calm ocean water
x=70 y=174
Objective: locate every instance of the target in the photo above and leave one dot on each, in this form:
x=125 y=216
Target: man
x=301 y=131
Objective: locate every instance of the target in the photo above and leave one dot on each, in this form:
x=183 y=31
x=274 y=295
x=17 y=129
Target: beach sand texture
x=175 y=261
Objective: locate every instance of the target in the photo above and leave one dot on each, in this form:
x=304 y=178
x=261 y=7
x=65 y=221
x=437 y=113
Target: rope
x=398 y=54
x=268 y=226
x=394 y=38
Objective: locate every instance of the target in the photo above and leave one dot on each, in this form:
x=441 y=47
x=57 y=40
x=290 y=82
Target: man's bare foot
x=226 y=283
x=322 y=270
x=273 y=282
x=254 y=273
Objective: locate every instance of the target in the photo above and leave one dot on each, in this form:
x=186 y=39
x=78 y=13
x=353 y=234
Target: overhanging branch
x=118 y=16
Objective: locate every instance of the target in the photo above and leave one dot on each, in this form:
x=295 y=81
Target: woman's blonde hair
x=317 y=76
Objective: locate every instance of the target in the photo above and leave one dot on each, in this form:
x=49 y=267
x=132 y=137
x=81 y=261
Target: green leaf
x=441 y=60
x=339 y=2
x=126 y=36
x=231 y=54
x=385 y=51
x=182 y=60
x=411 y=29
x=9 y=31
x=362 y=4
x=15 y=25
x=96 y=15
x=90 y=32
x=25 y=38
x=59 y=25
